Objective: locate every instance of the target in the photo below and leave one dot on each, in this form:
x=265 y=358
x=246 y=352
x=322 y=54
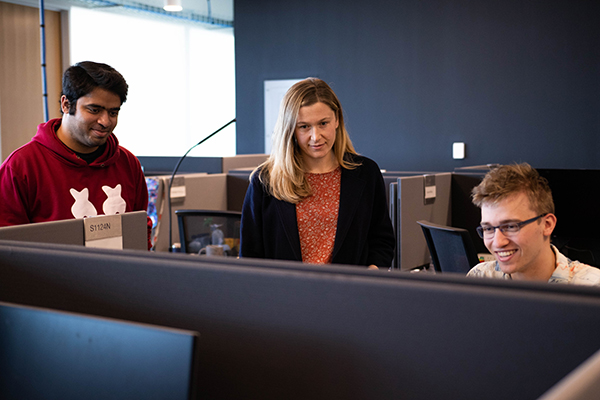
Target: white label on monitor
x=104 y=231
x=430 y=192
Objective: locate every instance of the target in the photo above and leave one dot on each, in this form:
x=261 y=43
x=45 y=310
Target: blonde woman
x=315 y=199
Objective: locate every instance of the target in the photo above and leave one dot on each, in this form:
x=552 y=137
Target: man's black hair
x=82 y=78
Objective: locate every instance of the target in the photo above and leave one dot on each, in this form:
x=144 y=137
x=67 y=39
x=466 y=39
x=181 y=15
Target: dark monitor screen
x=55 y=355
x=465 y=214
x=577 y=212
x=576 y=234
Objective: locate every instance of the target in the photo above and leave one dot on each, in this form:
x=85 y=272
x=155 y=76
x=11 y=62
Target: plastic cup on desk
x=213 y=250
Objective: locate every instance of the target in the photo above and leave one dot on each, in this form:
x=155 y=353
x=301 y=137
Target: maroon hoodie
x=44 y=180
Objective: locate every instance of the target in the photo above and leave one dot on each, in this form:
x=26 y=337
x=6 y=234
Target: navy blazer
x=364 y=233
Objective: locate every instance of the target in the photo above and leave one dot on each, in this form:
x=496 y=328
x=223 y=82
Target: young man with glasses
x=517 y=219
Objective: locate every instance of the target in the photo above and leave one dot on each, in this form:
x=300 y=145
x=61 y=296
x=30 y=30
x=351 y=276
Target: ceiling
x=218 y=13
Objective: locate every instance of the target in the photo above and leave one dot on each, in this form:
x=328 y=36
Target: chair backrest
x=451 y=249
x=200 y=228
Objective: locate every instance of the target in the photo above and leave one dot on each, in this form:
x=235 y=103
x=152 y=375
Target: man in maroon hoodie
x=74 y=167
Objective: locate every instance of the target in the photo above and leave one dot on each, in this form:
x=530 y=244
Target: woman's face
x=315 y=133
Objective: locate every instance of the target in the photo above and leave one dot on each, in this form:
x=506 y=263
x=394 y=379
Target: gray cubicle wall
x=272 y=330
x=201 y=191
x=211 y=165
x=207 y=187
x=71 y=231
x=390 y=177
x=393 y=212
x=221 y=192
x=390 y=180
x=411 y=247
x=242 y=161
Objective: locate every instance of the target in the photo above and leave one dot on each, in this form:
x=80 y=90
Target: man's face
x=93 y=122
x=519 y=253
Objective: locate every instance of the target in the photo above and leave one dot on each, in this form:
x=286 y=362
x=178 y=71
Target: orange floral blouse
x=317 y=217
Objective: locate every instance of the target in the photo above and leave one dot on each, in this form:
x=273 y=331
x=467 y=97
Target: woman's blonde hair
x=283 y=172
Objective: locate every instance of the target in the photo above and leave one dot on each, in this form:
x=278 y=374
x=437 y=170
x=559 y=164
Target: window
x=181 y=80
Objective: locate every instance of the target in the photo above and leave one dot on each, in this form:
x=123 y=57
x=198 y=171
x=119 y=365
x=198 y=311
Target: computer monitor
x=46 y=354
x=465 y=214
x=274 y=329
x=578 y=216
x=575 y=235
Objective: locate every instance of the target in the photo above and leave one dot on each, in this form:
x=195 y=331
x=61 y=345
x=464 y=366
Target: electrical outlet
x=458 y=150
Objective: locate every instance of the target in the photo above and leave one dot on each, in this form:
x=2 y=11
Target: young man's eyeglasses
x=509 y=229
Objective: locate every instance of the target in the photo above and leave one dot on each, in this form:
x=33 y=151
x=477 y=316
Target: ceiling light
x=173 y=5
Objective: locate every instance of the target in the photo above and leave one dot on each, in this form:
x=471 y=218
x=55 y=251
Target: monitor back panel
x=48 y=354
x=295 y=331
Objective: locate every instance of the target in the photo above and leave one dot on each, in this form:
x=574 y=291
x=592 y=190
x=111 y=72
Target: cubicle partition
x=390 y=180
x=132 y=229
x=242 y=161
x=420 y=197
x=390 y=177
x=272 y=330
x=221 y=191
x=212 y=165
x=189 y=191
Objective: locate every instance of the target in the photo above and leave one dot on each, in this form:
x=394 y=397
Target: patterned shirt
x=317 y=217
x=566 y=271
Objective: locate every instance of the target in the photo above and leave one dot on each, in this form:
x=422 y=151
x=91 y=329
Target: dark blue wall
x=515 y=80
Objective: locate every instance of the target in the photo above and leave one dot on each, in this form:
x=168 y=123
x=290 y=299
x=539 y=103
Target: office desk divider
x=211 y=165
x=390 y=180
x=72 y=231
x=452 y=207
x=274 y=329
x=200 y=191
x=413 y=204
x=203 y=183
x=392 y=177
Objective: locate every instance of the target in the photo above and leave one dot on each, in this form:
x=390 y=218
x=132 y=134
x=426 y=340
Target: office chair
x=451 y=249
x=200 y=228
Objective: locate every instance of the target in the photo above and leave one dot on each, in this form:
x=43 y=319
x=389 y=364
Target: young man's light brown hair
x=507 y=180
